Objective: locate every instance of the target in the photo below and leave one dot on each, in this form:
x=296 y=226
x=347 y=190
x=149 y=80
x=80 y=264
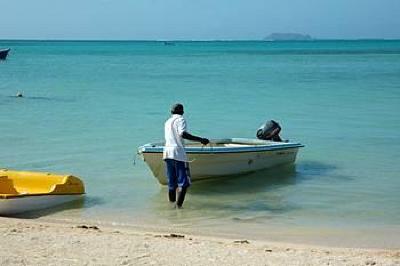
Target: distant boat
x=4 y=53
x=288 y=37
x=224 y=157
x=169 y=43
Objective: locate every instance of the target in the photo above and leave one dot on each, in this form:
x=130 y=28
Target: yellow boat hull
x=22 y=191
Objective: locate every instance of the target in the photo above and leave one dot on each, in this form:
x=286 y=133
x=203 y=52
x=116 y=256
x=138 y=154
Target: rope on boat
x=134 y=158
x=202 y=148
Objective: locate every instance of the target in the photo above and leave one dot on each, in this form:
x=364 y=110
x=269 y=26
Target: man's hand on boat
x=188 y=136
x=204 y=141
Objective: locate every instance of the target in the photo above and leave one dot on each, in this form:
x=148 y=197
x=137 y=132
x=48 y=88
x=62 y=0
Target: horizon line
x=200 y=40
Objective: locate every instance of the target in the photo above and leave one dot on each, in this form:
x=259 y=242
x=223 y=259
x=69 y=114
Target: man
x=175 y=156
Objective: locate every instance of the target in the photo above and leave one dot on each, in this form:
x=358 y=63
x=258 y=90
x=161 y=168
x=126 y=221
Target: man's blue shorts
x=178 y=174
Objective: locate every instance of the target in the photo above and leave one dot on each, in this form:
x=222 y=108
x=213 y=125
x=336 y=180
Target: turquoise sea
x=89 y=105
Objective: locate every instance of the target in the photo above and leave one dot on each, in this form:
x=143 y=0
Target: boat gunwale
x=251 y=147
x=14 y=196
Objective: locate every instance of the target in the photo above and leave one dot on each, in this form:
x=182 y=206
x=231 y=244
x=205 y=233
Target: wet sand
x=39 y=242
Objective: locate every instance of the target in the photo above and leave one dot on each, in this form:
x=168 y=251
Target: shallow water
x=88 y=105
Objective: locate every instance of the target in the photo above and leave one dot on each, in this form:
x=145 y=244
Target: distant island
x=288 y=37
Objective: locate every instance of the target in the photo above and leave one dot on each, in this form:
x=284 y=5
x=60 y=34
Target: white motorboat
x=224 y=157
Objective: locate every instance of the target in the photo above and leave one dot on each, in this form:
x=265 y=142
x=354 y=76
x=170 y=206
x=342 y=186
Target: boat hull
x=17 y=205
x=205 y=165
x=3 y=54
x=23 y=191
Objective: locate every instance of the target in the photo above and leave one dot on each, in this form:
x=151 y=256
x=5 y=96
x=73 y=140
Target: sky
x=197 y=19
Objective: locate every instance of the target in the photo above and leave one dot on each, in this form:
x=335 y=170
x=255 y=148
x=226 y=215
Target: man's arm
x=188 y=136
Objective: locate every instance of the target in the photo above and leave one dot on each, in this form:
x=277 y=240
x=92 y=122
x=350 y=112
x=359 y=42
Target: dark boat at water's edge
x=4 y=53
x=168 y=43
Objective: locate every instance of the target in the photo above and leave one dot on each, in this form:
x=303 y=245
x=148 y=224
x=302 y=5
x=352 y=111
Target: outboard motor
x=269 y=131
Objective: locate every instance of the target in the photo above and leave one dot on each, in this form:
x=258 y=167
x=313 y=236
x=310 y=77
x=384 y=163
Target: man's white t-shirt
x=174 y=146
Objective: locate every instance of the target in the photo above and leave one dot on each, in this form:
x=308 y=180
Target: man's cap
x=177 y=108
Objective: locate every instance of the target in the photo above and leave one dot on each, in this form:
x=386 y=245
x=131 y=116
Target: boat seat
x=15 y=183
x=6 y=186
x=236 y=145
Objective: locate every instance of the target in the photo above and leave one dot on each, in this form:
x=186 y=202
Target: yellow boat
x=22 y=191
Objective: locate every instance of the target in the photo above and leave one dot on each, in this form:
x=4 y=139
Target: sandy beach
x=37 y=242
